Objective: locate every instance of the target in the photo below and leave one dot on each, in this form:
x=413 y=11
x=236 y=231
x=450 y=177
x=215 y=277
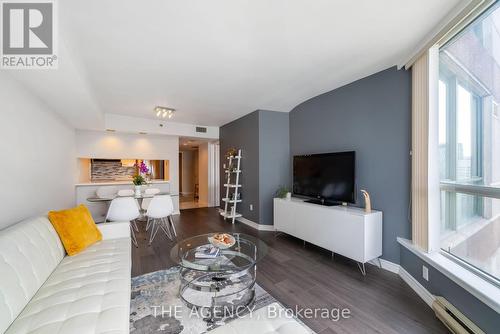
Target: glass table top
x=245 y=253
x=109 y=199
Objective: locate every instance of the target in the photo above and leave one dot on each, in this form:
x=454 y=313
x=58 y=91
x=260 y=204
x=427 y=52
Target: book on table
x=206 y=252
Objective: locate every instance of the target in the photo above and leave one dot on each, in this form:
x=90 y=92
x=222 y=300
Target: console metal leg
x=361 y=267
x=278 y=233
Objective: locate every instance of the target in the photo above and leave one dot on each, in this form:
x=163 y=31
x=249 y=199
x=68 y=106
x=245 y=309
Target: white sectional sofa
x=43 y=291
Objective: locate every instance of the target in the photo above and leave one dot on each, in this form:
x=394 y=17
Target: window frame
x=452 y=75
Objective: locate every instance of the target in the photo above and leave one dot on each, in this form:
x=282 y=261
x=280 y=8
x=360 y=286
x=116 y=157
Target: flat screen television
x=327 y=178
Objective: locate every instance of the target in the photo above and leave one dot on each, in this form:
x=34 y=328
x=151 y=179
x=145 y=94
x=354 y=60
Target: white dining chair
x=126 y=192
x=124 y=209
x=106 y=192
x=148 y=192
x=159 y=215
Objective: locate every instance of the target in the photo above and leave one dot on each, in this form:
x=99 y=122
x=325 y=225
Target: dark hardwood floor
x=308 y=277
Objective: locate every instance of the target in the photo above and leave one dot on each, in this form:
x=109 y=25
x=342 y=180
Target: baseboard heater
x=453 y=319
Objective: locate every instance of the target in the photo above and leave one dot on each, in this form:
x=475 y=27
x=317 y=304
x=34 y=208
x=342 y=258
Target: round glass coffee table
x=222 y=285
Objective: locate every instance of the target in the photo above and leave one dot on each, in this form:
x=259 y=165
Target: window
x=469 y=145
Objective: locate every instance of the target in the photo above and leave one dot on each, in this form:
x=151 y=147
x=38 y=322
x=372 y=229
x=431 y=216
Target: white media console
x=344 y=230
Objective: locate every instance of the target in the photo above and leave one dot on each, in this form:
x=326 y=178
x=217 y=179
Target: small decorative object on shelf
x=231 y=152
x=368 y=204
x=234 y=196
x=282 y=192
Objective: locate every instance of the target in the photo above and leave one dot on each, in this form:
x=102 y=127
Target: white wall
x=203 y=173
x=115 y=145
x=38 y=165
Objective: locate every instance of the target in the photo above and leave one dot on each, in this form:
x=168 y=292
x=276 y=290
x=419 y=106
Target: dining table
x=96 y=199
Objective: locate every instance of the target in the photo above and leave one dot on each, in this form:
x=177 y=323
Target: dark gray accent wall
x=243 y=133
x=263 y=137
x=440 y=285
x=372 y=117
x=274 y=159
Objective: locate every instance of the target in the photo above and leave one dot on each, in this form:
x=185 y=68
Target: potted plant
x=283 y=192
x=140 y=178
x=138 y=181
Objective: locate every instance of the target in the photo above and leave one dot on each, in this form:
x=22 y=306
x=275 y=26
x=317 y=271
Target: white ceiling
x=217 y=60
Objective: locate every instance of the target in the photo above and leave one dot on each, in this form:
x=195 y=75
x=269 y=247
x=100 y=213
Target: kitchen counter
x=115 y=183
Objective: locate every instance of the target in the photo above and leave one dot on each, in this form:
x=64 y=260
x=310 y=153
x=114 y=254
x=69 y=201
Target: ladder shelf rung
x=229 y=215
x=231 y=200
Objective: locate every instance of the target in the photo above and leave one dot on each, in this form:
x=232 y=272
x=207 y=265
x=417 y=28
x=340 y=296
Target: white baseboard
x=386 y=265
x=417 y=287
x=422 y=292
x=256 y=226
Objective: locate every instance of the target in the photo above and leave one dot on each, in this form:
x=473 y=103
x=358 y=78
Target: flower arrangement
x=139 y=180
x=143 y=168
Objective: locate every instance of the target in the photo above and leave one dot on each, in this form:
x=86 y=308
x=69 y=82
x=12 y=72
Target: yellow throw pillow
x=76 y=228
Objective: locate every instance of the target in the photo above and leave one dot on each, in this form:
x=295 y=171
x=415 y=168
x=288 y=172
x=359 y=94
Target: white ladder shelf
x=232 y=189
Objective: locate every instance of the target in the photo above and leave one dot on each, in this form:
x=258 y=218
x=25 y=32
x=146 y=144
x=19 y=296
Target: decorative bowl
x=222 y=240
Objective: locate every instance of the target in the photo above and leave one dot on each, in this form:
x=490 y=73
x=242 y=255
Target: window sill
x=483 y=290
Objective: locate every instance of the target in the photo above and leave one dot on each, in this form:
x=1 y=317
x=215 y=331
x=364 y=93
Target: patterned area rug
x=156 y=308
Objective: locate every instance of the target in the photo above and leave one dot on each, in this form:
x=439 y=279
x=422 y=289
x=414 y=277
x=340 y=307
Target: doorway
x=198 y=166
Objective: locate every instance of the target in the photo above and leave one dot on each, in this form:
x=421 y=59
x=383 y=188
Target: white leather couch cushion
x=261 y=322
x=29 y=253
x=85 y=293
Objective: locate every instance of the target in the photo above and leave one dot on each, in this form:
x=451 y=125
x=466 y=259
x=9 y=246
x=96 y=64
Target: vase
x=137 y=191
x=288 y=196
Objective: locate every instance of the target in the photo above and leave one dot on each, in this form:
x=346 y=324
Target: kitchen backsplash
x=110 y=170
